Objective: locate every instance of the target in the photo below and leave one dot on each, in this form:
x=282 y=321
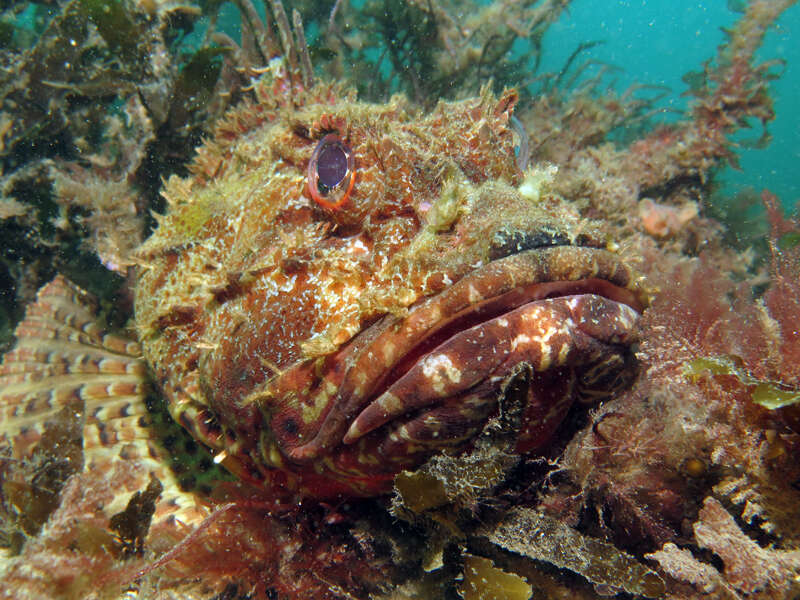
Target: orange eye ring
x=331 y=172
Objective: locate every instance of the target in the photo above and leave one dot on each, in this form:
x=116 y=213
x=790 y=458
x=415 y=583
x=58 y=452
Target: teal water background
x=657 y=41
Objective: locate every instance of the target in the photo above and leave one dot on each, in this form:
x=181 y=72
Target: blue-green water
x=657 y=42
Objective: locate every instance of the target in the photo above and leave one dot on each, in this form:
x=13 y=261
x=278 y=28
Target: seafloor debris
x=749 y=570
x=547 y=539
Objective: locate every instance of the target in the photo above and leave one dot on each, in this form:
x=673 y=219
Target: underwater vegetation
x=359 y=304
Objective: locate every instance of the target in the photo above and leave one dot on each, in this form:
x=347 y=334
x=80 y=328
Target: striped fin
x=70 y=384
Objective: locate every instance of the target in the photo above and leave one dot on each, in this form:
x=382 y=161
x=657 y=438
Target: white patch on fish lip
x=520 y=340
x=438 y=368
x=474 y=296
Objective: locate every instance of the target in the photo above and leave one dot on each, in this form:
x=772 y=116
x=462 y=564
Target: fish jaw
x=411 y=386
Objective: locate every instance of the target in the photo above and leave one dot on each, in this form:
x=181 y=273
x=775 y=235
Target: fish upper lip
x=497 y=287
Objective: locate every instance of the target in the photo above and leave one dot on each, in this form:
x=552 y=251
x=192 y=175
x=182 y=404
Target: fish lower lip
x=458 y=356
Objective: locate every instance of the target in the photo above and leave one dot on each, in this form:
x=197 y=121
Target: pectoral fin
x=73 y=401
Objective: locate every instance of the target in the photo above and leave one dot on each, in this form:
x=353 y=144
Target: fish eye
x=331 y=172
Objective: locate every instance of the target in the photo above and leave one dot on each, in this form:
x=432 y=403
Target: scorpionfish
x=337 y=292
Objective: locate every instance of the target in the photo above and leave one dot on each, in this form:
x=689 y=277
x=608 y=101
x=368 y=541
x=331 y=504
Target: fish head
x=340 y=289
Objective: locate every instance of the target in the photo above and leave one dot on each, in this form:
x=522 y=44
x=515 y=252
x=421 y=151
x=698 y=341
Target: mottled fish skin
x=271 y=322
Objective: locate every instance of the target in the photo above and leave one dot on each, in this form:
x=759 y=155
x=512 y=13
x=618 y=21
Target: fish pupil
x=331 y=166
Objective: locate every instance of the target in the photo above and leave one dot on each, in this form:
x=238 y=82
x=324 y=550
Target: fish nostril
x=505 y=243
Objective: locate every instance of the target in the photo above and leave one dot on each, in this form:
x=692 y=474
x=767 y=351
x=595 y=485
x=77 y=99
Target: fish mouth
x=381 y=357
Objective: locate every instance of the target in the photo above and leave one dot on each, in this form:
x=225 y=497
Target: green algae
x=116 y=26
x=484 y=581
x=789 y=240
x=769 y=394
